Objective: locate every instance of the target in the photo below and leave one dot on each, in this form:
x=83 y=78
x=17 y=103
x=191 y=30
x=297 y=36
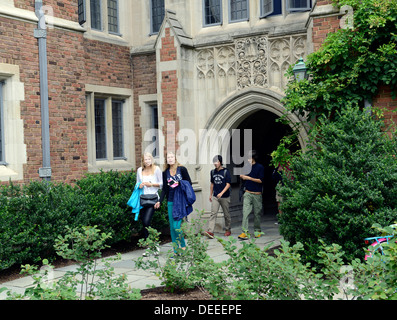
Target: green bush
x=253 y=272
x=84 y=246
x=32 y=216
x=106 y=196
x=343 y=185
x=186 y=269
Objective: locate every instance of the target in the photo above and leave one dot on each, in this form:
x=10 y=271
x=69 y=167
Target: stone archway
x=236 y=108
x=242 y=110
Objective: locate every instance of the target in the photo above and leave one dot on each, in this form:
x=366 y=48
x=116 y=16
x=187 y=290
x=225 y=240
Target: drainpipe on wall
x=41 y=35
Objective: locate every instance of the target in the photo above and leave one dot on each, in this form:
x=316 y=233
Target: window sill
x=105 y=165
x=116 y=39
x=6 y=174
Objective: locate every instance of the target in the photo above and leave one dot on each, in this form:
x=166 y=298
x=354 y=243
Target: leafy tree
x=344 y=184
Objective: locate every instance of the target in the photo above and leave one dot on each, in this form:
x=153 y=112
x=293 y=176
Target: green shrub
x=342 y=186
x=106 y=195
x=84 y=246
x=189 y=267
x=254 y=273
x=32 y=216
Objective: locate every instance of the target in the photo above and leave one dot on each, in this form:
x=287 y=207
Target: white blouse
x=156 y=178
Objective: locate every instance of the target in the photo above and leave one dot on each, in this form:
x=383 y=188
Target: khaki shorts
x=279 y=198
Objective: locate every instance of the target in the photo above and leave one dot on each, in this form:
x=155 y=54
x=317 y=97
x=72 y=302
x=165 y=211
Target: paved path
x=140 y=279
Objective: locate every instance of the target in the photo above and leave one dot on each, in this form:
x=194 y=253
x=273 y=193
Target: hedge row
x=34 y=215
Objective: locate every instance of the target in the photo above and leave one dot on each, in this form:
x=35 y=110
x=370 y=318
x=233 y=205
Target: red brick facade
x=168 y=49
x=169 y=92
x=144 y=83
x=73 y=61
x=322 y=25
x=385 y=102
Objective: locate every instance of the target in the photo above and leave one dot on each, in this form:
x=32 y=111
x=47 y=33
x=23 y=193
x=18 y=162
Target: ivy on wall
x=351 y=64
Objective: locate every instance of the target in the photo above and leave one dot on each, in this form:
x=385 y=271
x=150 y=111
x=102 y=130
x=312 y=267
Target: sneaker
x=243 y=236
x=258 y=234
x=227 y=233
x=209 y=234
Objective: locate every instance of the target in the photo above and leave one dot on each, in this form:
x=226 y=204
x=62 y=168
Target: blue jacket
x=184 y=197
x=135 y=200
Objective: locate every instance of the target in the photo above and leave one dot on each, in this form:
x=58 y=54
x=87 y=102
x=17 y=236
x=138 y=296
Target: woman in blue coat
x=172 y=175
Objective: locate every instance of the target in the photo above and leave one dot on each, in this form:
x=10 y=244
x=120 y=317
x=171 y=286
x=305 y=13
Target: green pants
x=252 y=201
x=175 y=228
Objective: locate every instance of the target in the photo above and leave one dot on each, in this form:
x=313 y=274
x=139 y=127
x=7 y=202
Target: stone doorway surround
x=233 y=111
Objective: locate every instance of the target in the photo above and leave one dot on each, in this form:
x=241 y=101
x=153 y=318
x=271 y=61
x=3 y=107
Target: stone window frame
x=240 y=19
x=103 y=34
x=109 y=95
x=15 y=156
x=146 y=103
x=2 y=162
x=97 y=4
x=152 y=26
x=220 y=14
x=293 y=9
x=116 y=17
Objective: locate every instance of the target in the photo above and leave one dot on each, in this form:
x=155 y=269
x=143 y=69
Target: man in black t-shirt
x=219 y=196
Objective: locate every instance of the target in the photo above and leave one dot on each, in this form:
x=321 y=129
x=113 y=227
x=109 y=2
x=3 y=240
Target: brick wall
x=169 y=92
x=385 y=101
x=67 y=108
x=61 y=9
x=322 y=25
x=73 y=61
x=107 y=64
x=168 y=49
x=144 y=82
x=26 y=57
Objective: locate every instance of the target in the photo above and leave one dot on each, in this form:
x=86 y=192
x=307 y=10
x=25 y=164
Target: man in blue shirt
x=252 y=198
x=219 y=196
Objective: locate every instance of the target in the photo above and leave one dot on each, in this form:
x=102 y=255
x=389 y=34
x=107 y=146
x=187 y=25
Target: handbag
x=148 y=200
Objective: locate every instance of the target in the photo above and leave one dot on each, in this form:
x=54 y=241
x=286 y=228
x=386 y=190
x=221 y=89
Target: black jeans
x=146 y=215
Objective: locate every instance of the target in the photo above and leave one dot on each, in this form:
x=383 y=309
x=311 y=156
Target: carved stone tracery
x=252 y=62
x=257 y=61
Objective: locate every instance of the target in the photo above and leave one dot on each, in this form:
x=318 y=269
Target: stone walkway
x=141 y=279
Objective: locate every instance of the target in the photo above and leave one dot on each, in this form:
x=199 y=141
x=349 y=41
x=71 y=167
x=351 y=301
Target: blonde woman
x=150 y=178
x=172 y=174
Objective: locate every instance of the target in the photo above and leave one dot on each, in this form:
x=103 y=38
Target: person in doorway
x=150 y=178
x=172 y=175
x=276 y=175
x=278 y=178
x=219 y=196
x=252 y=198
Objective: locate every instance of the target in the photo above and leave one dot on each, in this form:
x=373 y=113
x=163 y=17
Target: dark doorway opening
x=266 y=136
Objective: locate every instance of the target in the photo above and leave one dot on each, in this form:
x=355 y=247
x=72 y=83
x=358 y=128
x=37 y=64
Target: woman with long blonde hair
x=150 y=178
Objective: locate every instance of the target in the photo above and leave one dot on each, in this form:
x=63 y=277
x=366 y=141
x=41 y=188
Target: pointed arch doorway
x=256 y=110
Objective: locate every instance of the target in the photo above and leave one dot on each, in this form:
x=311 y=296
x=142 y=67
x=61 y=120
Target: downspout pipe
x=41 y=35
